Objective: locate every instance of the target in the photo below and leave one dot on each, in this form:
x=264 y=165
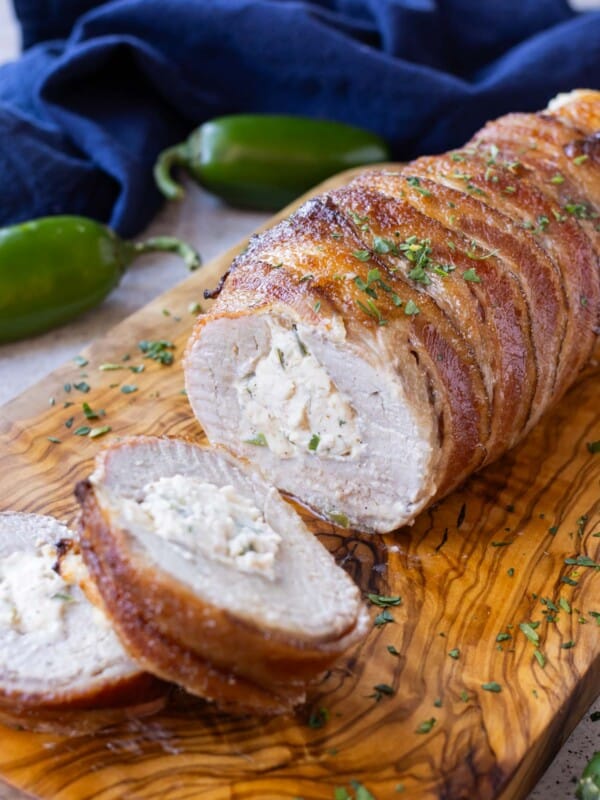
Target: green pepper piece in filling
x=54 y=268
x=264 y=161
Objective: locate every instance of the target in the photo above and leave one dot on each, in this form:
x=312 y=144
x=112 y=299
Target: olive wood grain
x=476 y=565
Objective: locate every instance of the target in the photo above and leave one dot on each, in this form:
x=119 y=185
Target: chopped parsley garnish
x=416 y=184
x=317 y=306
x=503 y=637
x=382 y=689
x=392 y=650
x=426 y=726
x=308 y=277
x=194 y=308
x=471 y=275
x=569 y=581
x=89 y=412
x=580 y=211
x=84 y=430
x=510 y=572
x=383 y=618
x=96 y=432
x=579 y=160
x=564 y=604
x=362 y=255
x=492 y=686
x=159 y=350
x=557 y=179
x=594 y=447
x=82 y=386
x=418 y=252
x=567 y=645
x=411 y=309
x=540 y=657
x=318 y=718
x=53 y=439
x=339 y=519
x=530 y=632
x=473 y=255
x=259 y=440
x=500 y=544
x=371 y=309
x=314 y=442
x=110 y=367
x=129 y=388
x=62 y=596
x=454 y=653
x=384 y=246
x=582 y=561
x=385 y=600
x=81 y=361
x=362 y=222
x=301 y=344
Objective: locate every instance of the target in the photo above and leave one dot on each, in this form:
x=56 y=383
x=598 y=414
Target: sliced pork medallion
x=392 y=336
x=58 y=654
x=210 y=578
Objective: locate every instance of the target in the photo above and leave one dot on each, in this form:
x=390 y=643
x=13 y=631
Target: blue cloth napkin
x=103 y=87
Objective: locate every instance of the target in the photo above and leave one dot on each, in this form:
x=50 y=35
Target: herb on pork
x=454 y=653
x=259 y=440
x=580 y=211
x=416 y=184
x=411 y=309
x=362 y=255
x=471 y=275
x=340 y=519
x=557 y=179
x=314 y=442
x=129 y=388
x=371 y=309
x=594 y=447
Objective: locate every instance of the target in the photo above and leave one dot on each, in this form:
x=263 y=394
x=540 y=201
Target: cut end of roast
x=338 y=421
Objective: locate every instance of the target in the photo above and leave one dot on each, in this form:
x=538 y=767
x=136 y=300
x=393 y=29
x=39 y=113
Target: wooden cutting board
x=490 y=557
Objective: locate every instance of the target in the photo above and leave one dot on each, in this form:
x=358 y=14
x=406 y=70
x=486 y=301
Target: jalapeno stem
x=169 y=244
x=177 y=156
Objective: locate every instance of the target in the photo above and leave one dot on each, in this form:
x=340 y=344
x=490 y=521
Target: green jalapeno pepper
x=266 y=161
x=588 y=787
x=52 y=269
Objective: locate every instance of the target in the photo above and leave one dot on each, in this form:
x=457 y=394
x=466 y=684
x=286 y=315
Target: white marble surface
x=212 y=228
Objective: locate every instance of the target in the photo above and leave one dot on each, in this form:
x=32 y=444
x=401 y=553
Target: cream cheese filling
x=290 y=404
x=33 y=598
x=201 y=518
